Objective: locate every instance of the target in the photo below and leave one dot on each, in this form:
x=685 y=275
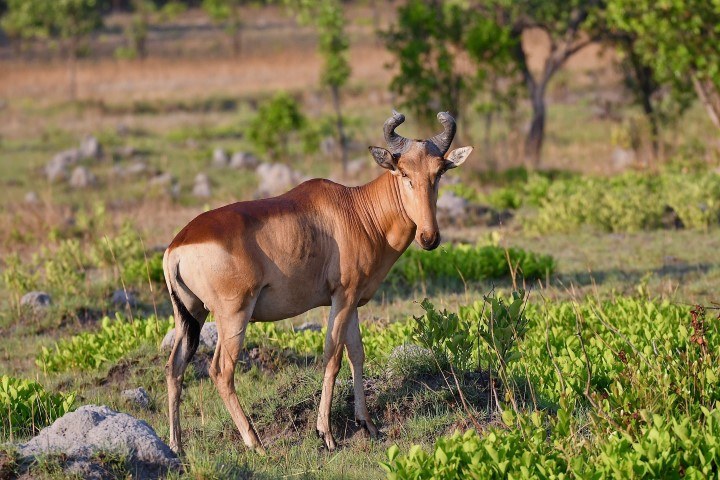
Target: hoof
x=369 y=427
x=328 y=440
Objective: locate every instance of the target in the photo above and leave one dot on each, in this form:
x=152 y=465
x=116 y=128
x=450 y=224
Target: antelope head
x=418 y=165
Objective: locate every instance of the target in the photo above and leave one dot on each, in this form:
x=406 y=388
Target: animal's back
x=281 y=248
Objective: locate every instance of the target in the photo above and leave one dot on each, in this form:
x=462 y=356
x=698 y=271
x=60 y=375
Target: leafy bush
x=277 y=120
x=449 y=338
x=116 y=338
x=625 y=203
x=665 y=447
x=378 y=340
x=27 y=406
x=136 y=271
x=18 y=277
x=636 y=388
x=120 y=249
x=469 y=263
x=498 y=454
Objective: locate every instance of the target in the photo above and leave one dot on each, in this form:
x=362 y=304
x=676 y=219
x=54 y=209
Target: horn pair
x=399 y=144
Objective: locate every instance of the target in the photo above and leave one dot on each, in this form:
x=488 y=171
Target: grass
x=174 y=114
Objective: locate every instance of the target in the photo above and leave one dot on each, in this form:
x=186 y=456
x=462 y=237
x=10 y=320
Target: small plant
x=89 y=351
x=446 y=335
x=469 y=263
x=27 y=406
x=18 y=277
x=501 y=326
x=65 y=268
x=137 y=271
x=277 y=120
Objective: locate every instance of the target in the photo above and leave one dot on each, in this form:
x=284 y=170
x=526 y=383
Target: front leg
x=356 y=354
x=340 y=315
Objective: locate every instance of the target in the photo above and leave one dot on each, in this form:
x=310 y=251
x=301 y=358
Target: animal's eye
x=403 y=174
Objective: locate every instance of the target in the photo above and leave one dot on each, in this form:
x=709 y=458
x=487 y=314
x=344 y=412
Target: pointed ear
x=384 y=158
x=457 y=157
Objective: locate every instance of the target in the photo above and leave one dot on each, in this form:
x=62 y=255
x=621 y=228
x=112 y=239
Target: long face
x=418 y=172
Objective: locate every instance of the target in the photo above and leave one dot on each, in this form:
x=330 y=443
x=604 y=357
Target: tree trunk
x=710 y=98
x=236 y=25
x=72 y=69
x=536 y=134
x=236 y=42
x=487 y=140
x=340 y=127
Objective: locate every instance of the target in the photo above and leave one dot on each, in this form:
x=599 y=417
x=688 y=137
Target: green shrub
x=450 y=339
x=116 y=338
x=136 y=271
x=378 y=340
x=636 y=393
x=120 y=249
x=27 y=407
x=540 y=447
x=18 y=277
x=469 y=263
x=277 y=121
x=625 y=203
x=522 y=453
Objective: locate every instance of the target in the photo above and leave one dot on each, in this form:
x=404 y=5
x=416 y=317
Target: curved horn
x=397 y=143
x=443 y=140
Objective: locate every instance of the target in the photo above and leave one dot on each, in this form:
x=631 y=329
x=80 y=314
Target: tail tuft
x=189 y=324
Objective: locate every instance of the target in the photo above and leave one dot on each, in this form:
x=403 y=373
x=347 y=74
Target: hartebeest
x=321 y=243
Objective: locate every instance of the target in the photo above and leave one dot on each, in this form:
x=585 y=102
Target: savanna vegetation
x=566 y=326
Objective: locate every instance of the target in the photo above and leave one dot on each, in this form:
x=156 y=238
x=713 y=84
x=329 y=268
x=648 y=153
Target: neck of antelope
x=384 y=215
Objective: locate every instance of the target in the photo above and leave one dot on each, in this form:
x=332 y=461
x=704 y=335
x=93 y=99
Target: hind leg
x=341 y=312
x=187 y=337
x=231 y=334
x=354 y=346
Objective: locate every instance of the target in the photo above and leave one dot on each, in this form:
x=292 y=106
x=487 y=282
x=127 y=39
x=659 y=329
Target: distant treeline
x=460 y=56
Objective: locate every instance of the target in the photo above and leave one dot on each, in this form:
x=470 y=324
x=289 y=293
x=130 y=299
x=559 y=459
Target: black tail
x=190 y=325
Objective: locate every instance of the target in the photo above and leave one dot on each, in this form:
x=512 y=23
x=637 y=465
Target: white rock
x=90 y=148
x=451 y=207
x=623 y=158
x=164 y=179
x=201 y=187
x=219 y=158
x=36 y=300
x=208 y=338
x=56 y=169
x=244 y=160
x=82 y=178
x=31 y=198
x=90 y=430
x=138 y=396
x=276 y=178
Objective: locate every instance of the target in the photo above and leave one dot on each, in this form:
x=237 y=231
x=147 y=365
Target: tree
x=227 y=11
x=679 y=39
x=67 y=21
x=566 y=24
x=426 y=41
x=276 y=121
x=327 y=17
x=145 y=12
x=25 y=20
x=662 y=103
